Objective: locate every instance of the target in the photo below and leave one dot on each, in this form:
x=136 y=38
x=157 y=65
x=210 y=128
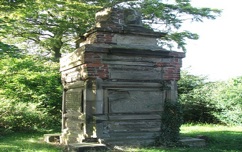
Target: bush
x=195 y=97
x=227 y=96
x=210 y=102
x=30 y=92
x=22 y=116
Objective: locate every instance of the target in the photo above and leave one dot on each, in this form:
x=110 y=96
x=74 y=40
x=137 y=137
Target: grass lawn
x=221 y=139
x=25 y=142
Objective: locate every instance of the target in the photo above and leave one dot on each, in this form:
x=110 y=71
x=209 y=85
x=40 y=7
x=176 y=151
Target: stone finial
x=117 y=19
x=132 y=17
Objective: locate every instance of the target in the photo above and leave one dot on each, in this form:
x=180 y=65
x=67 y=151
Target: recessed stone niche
x=116 y=82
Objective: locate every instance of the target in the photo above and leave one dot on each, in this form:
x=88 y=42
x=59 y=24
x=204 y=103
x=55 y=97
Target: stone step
x=193 y=142
x=86 y=147
x=52 y=138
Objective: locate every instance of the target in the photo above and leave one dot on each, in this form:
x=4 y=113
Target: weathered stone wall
x=117 y=82
x=101 y=60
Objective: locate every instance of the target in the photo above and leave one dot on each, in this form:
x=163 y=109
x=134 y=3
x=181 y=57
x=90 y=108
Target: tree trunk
x=57 y=53
x=56 y=48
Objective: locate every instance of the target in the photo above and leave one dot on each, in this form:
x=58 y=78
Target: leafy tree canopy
x=54 y=25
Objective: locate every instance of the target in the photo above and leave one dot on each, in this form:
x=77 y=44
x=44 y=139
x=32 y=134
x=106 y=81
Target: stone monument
x=116 y=82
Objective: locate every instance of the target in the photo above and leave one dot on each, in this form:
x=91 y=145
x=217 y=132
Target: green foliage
x=195 y=97
x=170 y=124
x=21 y=116
x=180 y=39
x=6 y=49
x=228 y=99
x=210 y=102
x=30 y=92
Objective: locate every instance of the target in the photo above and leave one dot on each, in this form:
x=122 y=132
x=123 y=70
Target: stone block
x=52 y=138
x=193 y=142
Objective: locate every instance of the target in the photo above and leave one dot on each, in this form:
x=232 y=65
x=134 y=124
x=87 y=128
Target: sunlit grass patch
x=26 y=142
x=219 y=139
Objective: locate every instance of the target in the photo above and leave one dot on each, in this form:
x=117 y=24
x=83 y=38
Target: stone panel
x=74 y=99
x=130 y=72
x=136 y=126
x=134 y=101
x=134 y=40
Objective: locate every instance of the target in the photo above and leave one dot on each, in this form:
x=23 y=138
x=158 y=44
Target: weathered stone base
x=193 y=142
x=86 y=147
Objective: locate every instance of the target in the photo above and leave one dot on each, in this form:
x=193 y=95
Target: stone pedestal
x=116 y=82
